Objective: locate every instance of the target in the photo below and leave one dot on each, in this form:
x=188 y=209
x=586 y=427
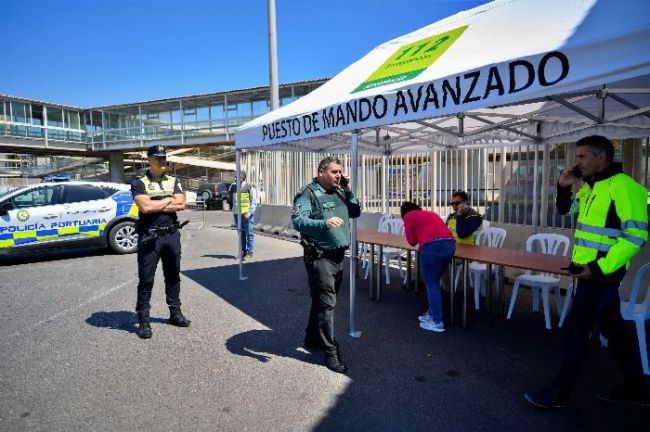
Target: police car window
x=79 y=193
x=38 y=197
x=110 y=190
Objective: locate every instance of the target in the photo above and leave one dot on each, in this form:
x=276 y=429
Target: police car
x=48 y=215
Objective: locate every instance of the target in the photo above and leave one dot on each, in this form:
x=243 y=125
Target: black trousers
x=325 y=276
x=165 y=248
x=597 y=303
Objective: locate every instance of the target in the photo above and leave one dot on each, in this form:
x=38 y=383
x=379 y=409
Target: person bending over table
x=436 y=247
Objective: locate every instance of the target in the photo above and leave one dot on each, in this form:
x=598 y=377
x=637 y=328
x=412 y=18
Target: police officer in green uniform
x=321 y=213
x=158 y=196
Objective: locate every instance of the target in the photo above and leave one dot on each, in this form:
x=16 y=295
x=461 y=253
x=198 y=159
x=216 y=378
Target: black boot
x=177 y=319
x=334 y=364
x=144 y=331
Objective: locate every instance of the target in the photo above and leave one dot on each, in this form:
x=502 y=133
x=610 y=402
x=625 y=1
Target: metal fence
x=500 y=181
x=194 y=213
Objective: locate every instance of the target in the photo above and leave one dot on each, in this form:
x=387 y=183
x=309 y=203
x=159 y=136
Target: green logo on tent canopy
x=411 y=60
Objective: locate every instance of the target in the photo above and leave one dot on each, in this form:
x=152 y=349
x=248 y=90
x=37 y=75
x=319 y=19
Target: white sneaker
x=432 y=326
x=424 y=318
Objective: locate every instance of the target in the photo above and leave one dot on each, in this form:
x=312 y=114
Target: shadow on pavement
x=16 y=258
x=404 y=378
x=118 y=320
x=220 y=256
x=261 y=345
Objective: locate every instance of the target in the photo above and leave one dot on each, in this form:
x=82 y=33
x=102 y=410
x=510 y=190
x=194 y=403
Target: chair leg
x=640 y=333
x=387 y=269
x=459 y=270
x=368 y=264
x=477 y=289
x=565 y=304
x=558 y=299
x=513 y=298
x=535 y=299
x=547 y=307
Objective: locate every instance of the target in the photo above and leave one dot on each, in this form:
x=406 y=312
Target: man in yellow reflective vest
x=464 y=221
x=247 y=212
x=611 y=228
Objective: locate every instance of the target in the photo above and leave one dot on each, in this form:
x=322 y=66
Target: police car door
x=86 y=211
x=27 y=216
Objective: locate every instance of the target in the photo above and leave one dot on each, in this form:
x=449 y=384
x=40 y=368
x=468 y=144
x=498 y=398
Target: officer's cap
x=157 y=150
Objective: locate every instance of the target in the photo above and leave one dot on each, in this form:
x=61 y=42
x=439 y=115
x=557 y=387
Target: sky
x=89 y=53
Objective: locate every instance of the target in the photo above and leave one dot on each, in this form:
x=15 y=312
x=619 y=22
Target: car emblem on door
x=22 y=215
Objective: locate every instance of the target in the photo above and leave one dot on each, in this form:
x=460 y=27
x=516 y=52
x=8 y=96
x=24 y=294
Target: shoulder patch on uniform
x=296 y=209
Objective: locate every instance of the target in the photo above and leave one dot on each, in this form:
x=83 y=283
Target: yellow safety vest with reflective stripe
x=159 y=189
x=245 y=200
x=618 y=243
x=467 y=240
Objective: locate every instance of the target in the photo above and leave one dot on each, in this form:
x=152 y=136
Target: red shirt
x=422 y=226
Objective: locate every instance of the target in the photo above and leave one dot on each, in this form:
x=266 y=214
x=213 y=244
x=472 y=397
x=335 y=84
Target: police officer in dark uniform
x=321 y=213
x=158 y=196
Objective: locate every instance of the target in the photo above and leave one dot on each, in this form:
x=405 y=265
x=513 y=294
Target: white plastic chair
x=639 y=312
x=551 y=244
x=365 y=249
x=392 y=226
x=492 y=237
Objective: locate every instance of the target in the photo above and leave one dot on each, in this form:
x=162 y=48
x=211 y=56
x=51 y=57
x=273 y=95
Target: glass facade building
x=181 y=121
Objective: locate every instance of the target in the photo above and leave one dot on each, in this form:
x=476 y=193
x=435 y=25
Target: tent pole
x=535 y=186
x=354 y=164
x=237 y=207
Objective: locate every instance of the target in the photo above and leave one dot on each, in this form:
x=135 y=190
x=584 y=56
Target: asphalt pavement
x=70 y=358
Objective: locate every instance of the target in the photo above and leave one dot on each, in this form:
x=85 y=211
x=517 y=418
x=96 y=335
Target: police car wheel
x=122 y=238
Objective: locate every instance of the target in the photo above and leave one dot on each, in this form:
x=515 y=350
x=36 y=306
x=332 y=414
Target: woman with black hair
x=436 y=248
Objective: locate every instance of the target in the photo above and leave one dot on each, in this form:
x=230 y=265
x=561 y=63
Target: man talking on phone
x=321 y=213
x=612 y=226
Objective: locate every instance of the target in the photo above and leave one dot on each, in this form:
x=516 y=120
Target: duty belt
x=154 y=232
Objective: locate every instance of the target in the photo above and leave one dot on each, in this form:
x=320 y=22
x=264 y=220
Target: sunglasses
x=456 y=203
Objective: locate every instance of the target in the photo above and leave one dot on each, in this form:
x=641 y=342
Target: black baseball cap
x=157 y=150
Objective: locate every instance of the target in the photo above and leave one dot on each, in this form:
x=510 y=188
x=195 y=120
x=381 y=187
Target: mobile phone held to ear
x=576 y=172
x=343 y=182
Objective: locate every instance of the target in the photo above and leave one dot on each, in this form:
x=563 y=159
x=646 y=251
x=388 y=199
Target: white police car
x=48 y=215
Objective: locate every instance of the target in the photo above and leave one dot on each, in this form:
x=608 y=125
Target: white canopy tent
x=509 y=72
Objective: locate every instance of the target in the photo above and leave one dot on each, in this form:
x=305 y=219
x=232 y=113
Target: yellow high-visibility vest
x=245 y=200
x=159 y=189
x=618 y=243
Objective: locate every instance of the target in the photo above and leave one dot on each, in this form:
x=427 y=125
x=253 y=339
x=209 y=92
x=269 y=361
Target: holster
x=312 y=253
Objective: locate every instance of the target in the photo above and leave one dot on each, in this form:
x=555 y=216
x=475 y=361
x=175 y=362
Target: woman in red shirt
x=437 y=248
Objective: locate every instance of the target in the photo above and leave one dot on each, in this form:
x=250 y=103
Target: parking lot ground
x=70 y=358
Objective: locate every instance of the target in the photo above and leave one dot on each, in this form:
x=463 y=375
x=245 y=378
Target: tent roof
x=507 y=72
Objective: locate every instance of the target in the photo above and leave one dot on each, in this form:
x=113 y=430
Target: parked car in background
x=215 y=195
x=6 y=189
x=51 y=215
x=54 y=178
